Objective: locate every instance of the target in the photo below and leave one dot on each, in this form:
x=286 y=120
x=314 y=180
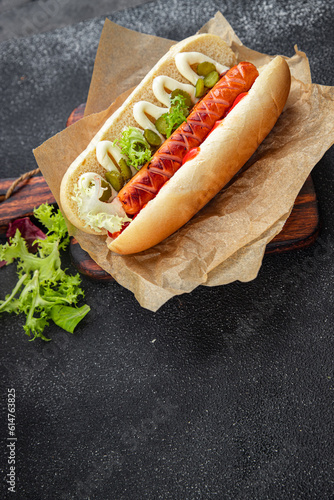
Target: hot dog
x=225 y=125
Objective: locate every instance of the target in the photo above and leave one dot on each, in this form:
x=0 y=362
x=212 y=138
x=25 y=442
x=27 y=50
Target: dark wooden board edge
x=76 y=114
x=85 y=264
x=25 y=198
x=302 y=226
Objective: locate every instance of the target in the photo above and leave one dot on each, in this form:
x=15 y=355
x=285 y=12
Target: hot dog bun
x=209 y=45
x=221 y=156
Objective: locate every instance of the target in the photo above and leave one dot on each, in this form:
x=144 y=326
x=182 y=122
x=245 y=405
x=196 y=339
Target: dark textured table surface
x=224 y=393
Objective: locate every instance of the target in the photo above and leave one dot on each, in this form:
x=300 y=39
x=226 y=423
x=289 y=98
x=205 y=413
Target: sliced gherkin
x=161 y=124
x=125 y=170
x=115 y=179
x=152 y=138
x=204 y=68
x=200 y=88
x=107 y=191
x=211 y=79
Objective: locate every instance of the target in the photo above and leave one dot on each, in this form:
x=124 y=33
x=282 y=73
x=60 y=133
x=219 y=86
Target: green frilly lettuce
x=44 y=291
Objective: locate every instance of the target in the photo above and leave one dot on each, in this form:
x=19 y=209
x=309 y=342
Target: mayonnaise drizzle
x=87 y=181
x=103 y=150
x=184 y=60
x=160 y=83
x=143 y=108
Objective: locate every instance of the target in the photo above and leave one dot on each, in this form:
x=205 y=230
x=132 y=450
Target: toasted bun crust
x=221 y=156
x=210 y=45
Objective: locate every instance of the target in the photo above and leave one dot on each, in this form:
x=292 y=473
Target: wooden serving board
x=300 y=230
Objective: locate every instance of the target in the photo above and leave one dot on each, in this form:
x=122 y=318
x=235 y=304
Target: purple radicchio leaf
x=28 y=230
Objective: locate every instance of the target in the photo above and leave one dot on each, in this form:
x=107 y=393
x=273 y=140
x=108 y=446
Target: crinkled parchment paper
x=226 y=240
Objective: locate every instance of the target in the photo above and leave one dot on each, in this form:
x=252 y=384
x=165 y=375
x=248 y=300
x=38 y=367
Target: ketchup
x=192 y=153
x=125 y=225
x=117 y=233
x=218 y=122
x=236 y=100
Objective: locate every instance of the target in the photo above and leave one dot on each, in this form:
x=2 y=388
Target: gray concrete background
x=234 y=398
x=20 y=18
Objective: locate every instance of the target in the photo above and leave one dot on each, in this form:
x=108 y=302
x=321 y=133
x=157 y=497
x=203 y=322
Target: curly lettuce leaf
x=68 y=317
x=134 y=146
x=52 y=220
x=96 y=213
x=11 y=304
x=43 y=286
x=15 y=248
x=56 y=225
x=48 y=264
x=177 y=114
